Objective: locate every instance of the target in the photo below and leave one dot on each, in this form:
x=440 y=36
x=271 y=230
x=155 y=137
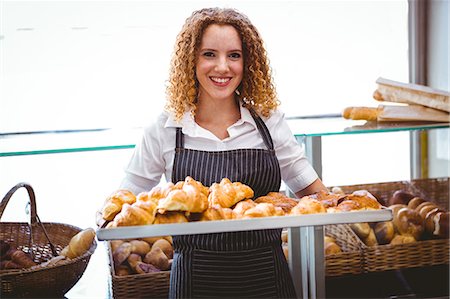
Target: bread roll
x=371 y=239
x=331 y=248
x=165 y=246
x=416 y=201
x=409 y=222
x=429 y=221
x=384 y=232
x=402 y=239
x=139 y=247
x=362 y=229
x=79 y=244
x=441 y=224
x=424 y=211
x=400 y=197
x=157 y=258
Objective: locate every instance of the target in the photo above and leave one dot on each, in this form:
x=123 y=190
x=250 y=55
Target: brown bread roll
x=409 y=222
x=424 y=211
x=384 y=232
x=371 y=239
x=441 y=222
x=402 y=239
x=400 y=197
x=165 y=246
x=139 y=247
x=361 y=229
x=429 y=221
x=157 y=258
x=413 y=203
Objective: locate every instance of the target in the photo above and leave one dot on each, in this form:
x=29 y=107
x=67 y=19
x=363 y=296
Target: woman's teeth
x=220 y=80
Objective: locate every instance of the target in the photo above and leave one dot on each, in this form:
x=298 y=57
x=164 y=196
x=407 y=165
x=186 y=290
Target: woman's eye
x=208 y=54
x=235 y=55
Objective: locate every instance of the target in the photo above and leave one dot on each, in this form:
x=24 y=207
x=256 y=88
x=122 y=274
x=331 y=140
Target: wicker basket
x=351 y=259
x=418 y=254
x=150 y=285
x=42 y=241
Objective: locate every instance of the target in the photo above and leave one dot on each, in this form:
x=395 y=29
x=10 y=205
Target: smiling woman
x=69 y=65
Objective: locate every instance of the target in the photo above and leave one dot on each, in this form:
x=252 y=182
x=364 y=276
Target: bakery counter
x=305 y=233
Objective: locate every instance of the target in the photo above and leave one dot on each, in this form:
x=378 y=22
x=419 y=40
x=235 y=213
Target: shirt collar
x=188 y=124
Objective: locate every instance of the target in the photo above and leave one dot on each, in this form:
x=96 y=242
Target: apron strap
x=179 y=140
x=262 y=128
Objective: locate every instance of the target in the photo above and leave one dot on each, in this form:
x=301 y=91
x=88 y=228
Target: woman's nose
x=222 y=64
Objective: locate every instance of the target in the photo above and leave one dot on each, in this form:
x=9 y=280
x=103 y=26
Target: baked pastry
x=263 y=210
x=402 y=239
x=384 y=232
x=400 y=197
x=329 y=199
x=79 y=244
x=216 y=212
x=361 y=229
x=113 y=204
x=279 y=200
x=227 y=194
x=170 y=217
x=139 y=213
x=189 y=196
x=242 y=206
x=441 y=224
x=371 y=239
x=413 y=203
x=409 y=222
x=308 y=205
x=356 y=202
x=330 y=246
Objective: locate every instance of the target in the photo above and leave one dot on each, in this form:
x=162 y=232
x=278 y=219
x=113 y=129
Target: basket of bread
x=41 y=259
x=190 y=201
x=418 y=234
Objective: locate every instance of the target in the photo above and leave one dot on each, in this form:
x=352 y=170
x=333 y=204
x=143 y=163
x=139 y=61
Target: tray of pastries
x=188 y=207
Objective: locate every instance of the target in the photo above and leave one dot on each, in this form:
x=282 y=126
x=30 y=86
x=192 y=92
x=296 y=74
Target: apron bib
x=245 y=264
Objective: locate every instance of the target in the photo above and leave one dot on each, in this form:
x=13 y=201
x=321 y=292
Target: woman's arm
x=316 y=186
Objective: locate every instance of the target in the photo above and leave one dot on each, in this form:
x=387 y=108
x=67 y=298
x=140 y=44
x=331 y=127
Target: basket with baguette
x=41 y=259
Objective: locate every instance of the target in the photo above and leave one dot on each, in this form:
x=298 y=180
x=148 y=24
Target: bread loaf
x=79 y=244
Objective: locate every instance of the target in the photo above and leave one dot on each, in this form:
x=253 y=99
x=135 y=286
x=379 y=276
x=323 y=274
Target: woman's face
x=220 y=63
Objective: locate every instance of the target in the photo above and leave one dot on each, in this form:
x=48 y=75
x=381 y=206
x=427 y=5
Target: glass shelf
x=112 y=139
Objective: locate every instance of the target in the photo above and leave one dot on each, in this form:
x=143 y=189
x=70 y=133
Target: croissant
x=308 y=205
x=170 y=217
x=216 y=212
x=279 y=200
x=263 y=210
x=79 y=244
x=329 y=199
x=227 y=194
x=188 y=195
x=161 y=191
x=115 y=201
x=139 y=213
x=242 y=206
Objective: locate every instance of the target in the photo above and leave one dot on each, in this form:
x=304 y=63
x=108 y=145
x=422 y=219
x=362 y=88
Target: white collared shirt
x=154 y=155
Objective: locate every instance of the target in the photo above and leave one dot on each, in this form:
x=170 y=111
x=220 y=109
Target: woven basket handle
x=34 y=221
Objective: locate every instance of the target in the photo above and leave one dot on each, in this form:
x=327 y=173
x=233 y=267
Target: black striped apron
x=245 y=264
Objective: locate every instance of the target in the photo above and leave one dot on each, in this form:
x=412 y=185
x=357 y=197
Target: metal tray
x=203 y=227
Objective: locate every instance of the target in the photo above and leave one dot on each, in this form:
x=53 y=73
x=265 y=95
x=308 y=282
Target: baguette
x=397 y=92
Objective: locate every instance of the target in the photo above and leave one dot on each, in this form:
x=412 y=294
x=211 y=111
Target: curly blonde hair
x=256 y=89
